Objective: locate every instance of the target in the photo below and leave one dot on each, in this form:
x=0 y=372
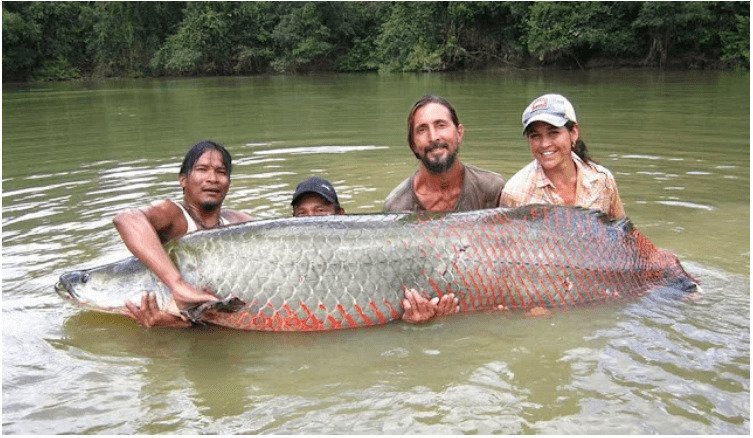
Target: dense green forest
x=67 y=40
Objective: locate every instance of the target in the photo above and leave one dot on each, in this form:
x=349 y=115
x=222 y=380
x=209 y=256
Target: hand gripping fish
x=335 y=272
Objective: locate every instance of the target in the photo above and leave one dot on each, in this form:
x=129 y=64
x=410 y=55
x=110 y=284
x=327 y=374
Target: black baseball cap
x=317 y=185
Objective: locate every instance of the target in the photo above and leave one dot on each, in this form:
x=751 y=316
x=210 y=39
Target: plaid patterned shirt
x=596 y=188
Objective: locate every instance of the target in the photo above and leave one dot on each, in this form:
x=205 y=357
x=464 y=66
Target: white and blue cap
x=317 y=185
x=554 y=109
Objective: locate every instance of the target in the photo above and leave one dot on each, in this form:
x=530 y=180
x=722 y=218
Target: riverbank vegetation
x=68 y=40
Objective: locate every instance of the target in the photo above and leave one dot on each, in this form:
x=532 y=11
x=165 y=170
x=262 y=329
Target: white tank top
x=192 y=223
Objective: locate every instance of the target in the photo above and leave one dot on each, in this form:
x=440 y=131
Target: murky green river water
x=74 y=154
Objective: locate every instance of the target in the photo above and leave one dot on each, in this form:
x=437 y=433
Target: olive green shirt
x=481 y=189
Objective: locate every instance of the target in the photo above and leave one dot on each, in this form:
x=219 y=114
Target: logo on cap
x=539 y=103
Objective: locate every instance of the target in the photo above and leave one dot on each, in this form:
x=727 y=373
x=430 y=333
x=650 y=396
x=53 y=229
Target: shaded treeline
x=64 y=40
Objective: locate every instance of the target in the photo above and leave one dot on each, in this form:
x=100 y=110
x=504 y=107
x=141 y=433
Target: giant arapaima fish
x=334 y=272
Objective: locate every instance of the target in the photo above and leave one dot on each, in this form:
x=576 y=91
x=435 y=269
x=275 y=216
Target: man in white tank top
x=205 y=178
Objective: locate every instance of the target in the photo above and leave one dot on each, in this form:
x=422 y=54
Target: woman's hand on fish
x=150 y=315
x=418 y=308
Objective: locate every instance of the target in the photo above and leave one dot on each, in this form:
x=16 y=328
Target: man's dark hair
x=193 y=155
x=420 y=104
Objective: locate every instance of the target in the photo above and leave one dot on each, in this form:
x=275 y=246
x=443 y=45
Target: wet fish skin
x=325 y=273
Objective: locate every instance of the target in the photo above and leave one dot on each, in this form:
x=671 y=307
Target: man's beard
x=441 y=165
x=209 y=206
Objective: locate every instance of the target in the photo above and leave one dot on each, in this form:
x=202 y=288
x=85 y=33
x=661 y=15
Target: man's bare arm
x=139 y=230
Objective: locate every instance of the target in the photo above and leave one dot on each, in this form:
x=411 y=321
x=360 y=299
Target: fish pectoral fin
x=229 y=304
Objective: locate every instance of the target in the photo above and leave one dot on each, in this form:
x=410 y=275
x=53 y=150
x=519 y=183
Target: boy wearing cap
x=442 y=183
x=562 y=171
x=315 y=197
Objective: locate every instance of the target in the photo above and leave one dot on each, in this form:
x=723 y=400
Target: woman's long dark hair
x=579 y=147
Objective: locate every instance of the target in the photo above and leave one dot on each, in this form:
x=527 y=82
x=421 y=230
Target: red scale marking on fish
x=497 y=266
x=616 y=282
x=645 y=250
x=468 y=305
x=473 y=274
x=543 y=284
x=599 y=273
x=490 y=259
x=502 y=278
x=580 y=276
x=584 y=276
x=484 y=278
x=316 y=323
x=393 y=311
x=512 y=268
x=380 y=316
x=487 y=298
x=333 y=322
x=351 y=321
x=441 y=259
x=475 y=292
x=466 y=276
x=513 y=265
x=483 y=255
x=524 y=271
x=365 y=318
x=561 y=282
x=526 y=277
x=544 y=287
x=572 y=260
x=552 y=282
x=479 y=254
x=435 y=286
x=478 y=301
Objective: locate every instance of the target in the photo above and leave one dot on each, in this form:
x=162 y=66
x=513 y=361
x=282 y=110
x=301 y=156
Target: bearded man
x=442 y=183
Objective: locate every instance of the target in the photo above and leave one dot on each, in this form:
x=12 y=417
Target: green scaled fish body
x=333 y=272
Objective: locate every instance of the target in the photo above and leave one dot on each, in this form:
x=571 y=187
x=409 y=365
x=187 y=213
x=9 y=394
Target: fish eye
x=85 y=278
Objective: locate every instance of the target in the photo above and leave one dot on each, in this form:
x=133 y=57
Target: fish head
x=108 y=287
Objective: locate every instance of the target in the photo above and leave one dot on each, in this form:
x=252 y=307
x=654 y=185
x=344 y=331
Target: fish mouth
x=65 y=285
x=62 y=290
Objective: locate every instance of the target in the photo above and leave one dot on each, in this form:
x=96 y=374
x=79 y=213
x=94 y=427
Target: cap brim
x=299 y=195
x=548 y=118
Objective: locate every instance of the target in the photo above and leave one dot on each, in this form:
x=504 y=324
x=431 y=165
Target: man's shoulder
x=164 y=207
x=235 y=216
x=484 y=178
x=400 y=198
x=481 y=171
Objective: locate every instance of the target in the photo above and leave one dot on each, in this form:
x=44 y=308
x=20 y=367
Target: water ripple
x=320 y=150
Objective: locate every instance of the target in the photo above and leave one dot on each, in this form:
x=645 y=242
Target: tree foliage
x=64 y=40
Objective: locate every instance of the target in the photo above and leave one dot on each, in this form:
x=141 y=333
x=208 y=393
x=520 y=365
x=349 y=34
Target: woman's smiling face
x=551 y=145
